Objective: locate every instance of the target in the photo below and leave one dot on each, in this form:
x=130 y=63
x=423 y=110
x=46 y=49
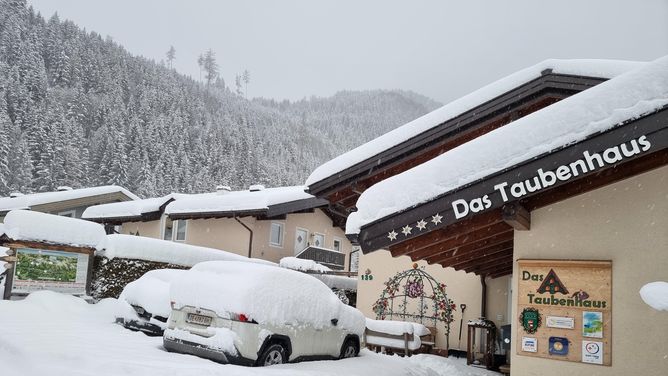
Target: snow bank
x=338 y=282
x=29 y=200
x=655 y=295
x=573 y=119
x=151 y=291
x=41 y=227
x=149 y=249
x=238 y=200
x=265 y=293
x=590 y=68
x=302 y=265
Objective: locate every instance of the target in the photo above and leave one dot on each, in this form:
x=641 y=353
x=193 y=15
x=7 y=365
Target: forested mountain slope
x=77 y=109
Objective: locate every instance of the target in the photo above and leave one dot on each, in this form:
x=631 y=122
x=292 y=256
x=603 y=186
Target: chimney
x=256 y=188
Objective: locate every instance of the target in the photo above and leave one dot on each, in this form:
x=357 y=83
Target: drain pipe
x=250 y=240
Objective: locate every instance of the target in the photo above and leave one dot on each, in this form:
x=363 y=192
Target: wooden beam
x=480 y=245
x=48 y=246
x=485 y=258
x=462 y=257
x=517 y=216
x=491 y=268
x=501 y=273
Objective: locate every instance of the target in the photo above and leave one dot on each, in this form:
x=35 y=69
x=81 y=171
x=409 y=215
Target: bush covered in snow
x=110 y=276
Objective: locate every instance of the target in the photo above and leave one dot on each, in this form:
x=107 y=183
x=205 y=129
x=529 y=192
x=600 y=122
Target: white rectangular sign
x=529 y=344
x=560 y=322
x=592 y=352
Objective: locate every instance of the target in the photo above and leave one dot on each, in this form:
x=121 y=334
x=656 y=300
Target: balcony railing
x=332 y=259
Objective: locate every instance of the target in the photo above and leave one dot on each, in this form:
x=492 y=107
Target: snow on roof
x=266 y=294
x=149 y=249
x=27 y=201
x=129 y=208
x=237 y=200
x=630 y=95
x=581 y=67
x=41 y=227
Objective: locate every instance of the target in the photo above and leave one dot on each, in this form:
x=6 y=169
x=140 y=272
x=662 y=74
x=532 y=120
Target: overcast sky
x=442 y=49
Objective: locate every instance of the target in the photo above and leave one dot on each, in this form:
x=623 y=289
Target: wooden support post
x=517 y=216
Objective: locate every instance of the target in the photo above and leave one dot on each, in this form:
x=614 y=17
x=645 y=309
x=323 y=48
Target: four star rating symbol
x=420 y=225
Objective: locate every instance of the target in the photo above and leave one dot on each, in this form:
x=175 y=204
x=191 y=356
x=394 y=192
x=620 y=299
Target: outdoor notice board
x=565 y=310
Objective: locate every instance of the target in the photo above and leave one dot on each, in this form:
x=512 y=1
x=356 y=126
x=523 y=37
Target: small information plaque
x=560 y=322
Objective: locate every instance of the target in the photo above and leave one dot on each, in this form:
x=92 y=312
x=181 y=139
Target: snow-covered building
x=265 y=223
x=375 y=187
x=65 y=201
x=570 y=201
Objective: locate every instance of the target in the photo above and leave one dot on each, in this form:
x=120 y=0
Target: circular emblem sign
x=530 y=320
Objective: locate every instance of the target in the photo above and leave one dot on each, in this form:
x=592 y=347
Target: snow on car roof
x=28 y=225
x=267 y=294
x=151 y=291
x=627 y=96
x=578 y=67
x=29 y=200
x=233 y=201
x=149 y=249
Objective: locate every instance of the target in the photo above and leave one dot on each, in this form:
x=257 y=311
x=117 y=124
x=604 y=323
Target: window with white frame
x=174 y=230
x=168 y=229
x=318 y=240
x=276 y=235
x=180 y=234
x=337 y=245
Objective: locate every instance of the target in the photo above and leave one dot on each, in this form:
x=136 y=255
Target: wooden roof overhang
x=482 y=242
x=344 y=188
x=272 y=212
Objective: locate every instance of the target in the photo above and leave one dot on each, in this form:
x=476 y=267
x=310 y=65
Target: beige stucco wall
x=461 y=288
x=227 y=234
x=149 y=229
x=626 y=222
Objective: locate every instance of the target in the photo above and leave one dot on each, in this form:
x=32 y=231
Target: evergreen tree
x=171 y=55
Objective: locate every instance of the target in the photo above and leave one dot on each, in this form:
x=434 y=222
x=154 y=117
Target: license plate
x=198 y=319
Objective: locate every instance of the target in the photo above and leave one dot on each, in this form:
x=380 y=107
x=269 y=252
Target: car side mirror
x=335 y=321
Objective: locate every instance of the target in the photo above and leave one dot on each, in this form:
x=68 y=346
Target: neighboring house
x=454 y=251
x=266 y=223
x=65 y=201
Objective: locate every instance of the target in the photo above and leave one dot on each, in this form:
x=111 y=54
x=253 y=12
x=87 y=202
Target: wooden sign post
x=565 y=310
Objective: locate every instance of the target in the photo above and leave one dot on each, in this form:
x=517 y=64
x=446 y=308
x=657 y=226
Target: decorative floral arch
x=414 y=295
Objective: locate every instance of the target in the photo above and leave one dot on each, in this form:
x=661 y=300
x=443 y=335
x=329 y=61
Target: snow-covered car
x=149 y=296
x=252 y=314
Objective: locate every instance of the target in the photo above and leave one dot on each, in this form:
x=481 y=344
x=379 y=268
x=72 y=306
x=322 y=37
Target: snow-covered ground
x=53 y=334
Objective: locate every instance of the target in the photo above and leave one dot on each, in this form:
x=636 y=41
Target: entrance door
x=301 y=240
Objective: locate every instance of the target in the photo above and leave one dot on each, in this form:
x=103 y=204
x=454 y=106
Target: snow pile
x=267 y=294
x=628 y=96
x=149 y=249
x=29 y=200
x=48 y=228
x=655 y=295
x=584 y=67
x=237 y=200
x=397 y=327
x=337 y=281
x=126 y=208
x=151 y=291
x=302 y=265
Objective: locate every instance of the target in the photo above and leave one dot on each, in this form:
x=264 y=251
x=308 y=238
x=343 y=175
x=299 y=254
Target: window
x=68 y=213
x=318 y=240
x=169 y=229
x=180 y=230
x=276 y=236
x=337 y=245
x=174 y=230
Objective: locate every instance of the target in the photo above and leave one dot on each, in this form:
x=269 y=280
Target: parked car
x=149 y=296
x=252 y=314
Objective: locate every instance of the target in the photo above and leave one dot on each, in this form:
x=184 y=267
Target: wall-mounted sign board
x=565 y=310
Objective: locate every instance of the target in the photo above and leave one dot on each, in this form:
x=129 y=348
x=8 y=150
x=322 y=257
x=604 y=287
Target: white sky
x=442 y=49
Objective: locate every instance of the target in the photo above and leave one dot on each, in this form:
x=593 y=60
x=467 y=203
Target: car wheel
x=274 y=354
x=350 y=349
